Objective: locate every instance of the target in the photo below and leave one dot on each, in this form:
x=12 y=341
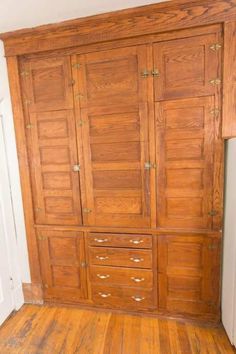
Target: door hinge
x=87 y=211
x=24 y=73
x=212 y=213
x=149 y=165
x=215 y=46
x=76 y=168
x=77 y=65
x=215 y=112
x=215 y=82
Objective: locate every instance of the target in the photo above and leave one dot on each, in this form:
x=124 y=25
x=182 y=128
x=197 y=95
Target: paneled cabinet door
x=188 y=147
x=48 y=101
x=188 y=275
x=112 y=101
x=62 y=259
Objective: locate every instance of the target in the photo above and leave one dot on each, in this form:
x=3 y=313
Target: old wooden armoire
x=119 y=120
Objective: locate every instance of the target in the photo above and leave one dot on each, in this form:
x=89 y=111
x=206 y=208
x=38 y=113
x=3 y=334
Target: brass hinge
x=145 y=73
x=77 y=65
x=24 y=73
x=215 y=112
x=212 y=213
x=87 y=211
x=215 y=46
x=76 y=168
x=42 y=238
x=29 y=126
x=149 y=165
x=215 y=82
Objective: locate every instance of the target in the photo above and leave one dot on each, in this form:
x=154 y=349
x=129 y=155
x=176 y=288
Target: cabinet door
x=62 y=260
x=188 y=275
x=111 y=98
x=52 y=143
x=188 y=147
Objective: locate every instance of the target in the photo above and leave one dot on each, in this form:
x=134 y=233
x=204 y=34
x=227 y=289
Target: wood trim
x=13 y=73
x=33 y=293
x=166 y=16
x=229 y=91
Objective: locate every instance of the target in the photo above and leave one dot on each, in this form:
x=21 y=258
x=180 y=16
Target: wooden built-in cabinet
x=121 y=156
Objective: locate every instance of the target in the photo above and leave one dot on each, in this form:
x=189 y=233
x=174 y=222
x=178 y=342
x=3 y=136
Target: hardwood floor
x=64 y=330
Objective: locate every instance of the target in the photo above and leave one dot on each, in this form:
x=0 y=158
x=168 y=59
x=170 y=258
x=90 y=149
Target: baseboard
x=33 y=293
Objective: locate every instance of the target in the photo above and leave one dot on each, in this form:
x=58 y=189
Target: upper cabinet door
x=111 y=100
x=185 y=67
x=49 y=85
x=50 y=124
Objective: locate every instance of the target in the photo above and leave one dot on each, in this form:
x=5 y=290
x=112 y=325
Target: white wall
x=229 y=257
x=8 y=127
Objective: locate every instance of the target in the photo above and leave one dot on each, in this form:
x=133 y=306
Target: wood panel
x=188 y=277
x=185 y=137
x=70 y=330
x=111 y=100
x=62 y=259
x=229 y=89
x=150 y=19
x=52 y=140
x=185 y=67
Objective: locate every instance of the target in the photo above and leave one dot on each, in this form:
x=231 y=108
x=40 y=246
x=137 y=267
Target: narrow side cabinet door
x=62 y=260
x=188 y=275
x=50 y=127
x=111 y=99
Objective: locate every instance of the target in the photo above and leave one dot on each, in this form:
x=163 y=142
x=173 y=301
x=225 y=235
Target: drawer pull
x=105 y=276
x=136 y=242
x=100 y=240
x=104 y=295
x=137 y=280
x=136 y=260
x=138 y=298
x=102 y=258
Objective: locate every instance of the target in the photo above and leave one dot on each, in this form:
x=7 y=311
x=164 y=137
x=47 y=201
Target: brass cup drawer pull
x=136 y=242
x=137 y=280
x=100 y=240
x=102 y=258
x=101 y=276
x=138 y=298
x=104 y=295
x=136 y=260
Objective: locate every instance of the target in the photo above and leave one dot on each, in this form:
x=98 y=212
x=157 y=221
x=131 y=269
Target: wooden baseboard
x=33 y=293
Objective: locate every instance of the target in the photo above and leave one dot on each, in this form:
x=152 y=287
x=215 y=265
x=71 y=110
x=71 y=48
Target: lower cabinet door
x=62 y=260
x=189 y=274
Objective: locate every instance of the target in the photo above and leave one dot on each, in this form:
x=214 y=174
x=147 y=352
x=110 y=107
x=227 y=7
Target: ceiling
x=15 y=14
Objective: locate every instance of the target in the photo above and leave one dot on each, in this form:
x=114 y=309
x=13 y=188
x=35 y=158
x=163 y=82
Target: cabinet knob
x=87 y=211
x=136 y=260
x=100 y=240
x=102 y=258
x=138 y=298
x=103 y=276
x=104 y=295
x=136 y=242
x=137 y=280
x=155 y=73
x=76 y=168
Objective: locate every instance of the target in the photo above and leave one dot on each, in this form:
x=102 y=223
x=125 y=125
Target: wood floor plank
x=68 y=330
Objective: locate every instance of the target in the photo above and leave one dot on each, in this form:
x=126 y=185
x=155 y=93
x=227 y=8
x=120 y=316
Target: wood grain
x=229 y=103
x=65 y=330
x=150 y=19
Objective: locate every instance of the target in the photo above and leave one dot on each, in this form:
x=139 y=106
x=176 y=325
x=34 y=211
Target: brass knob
x=155 y=73
x=145 y=73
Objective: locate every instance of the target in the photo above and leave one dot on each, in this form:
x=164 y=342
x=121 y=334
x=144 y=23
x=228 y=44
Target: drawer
x=122 y=276
x=122 y=297
x=120 y=257
x=120 y=240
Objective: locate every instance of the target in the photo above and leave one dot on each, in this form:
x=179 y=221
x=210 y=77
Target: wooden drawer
x=122 y=297
x=120 y=240
x=122 y=276
x=120 y=257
